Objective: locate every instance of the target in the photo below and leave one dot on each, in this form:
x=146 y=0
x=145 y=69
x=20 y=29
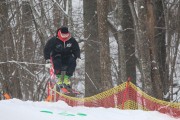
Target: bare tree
x=142 y=43
x=172 y=36
x=18 y=46
x=4 y=71
x=121 y=45
x=161 y=44
x=129 y=41
x=105 y=62
x=149 y=27
x=92 y=50
x=155 y=71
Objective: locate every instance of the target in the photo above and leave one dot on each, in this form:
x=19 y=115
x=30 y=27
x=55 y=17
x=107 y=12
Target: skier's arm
x=48 y=48
x=76 y=49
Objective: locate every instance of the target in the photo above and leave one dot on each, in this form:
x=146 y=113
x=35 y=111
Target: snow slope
x=15 y=109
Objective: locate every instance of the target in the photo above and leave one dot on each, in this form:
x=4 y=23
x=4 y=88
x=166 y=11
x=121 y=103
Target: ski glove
x=48 y=63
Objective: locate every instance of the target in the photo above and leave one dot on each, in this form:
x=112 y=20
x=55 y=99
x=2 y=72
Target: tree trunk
x=57 y=16
x=155 y=72
x=160 y=37
x=92 y=50
x=105 y=62
x=121 y=47
x=142 y=43
x=129 y=41
x=4 y=35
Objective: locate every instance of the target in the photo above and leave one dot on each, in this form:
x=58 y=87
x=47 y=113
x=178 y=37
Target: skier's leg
x=71 y=66
x=57 y=64
x=57 y=61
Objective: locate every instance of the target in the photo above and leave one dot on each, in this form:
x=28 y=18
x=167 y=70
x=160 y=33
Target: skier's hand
x=48 y=63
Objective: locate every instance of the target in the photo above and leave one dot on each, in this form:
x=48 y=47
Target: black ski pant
x=64 y=61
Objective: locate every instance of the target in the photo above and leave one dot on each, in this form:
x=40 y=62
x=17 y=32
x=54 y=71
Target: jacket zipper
x=64 y=44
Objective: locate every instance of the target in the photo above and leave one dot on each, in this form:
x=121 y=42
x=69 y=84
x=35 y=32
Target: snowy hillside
x=15 y=109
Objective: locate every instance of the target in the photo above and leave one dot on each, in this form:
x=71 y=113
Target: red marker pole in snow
x=126 y=92
x=50 y=85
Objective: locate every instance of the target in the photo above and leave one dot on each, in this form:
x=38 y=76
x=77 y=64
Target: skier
x=64 y=50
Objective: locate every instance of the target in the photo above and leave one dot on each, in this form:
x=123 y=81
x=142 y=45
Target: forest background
x=118 y=39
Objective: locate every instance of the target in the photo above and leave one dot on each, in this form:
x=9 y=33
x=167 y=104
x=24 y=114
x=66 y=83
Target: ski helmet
x=63 y=34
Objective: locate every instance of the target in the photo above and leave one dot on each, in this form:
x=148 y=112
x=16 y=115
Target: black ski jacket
x=55 y=46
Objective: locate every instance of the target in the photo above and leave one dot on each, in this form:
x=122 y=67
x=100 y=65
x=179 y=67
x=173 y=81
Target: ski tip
x=76 y=92
x=64 y=90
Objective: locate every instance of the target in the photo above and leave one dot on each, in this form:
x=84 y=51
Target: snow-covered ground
x=15 y=109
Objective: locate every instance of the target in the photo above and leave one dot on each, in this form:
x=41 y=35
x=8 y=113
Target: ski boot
x=59 y=83
x=67 y=82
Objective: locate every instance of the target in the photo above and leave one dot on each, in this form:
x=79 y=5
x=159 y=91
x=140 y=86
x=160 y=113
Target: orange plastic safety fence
x=126 y=97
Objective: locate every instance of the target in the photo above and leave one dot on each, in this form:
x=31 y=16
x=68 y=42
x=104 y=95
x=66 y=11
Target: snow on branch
x=59 y=6
x=17 y=62
x=25 y=68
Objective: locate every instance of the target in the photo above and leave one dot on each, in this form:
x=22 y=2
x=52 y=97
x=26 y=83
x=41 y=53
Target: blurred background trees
x=118 y=39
